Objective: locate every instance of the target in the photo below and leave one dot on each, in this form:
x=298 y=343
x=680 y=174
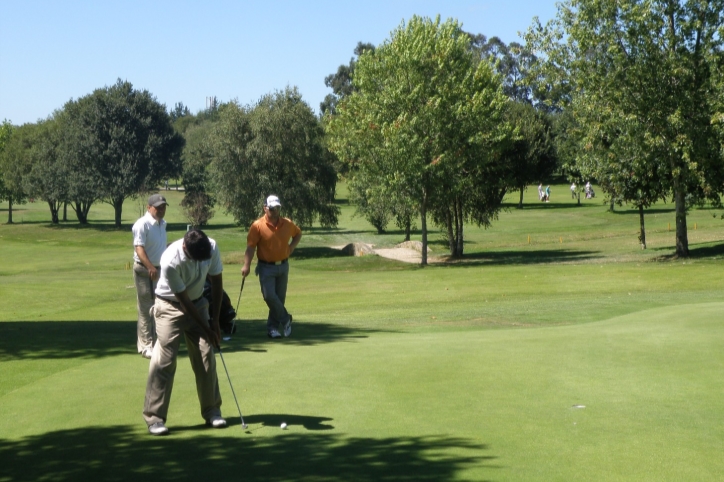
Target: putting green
x=457 y=405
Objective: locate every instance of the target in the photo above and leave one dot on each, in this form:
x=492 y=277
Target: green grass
x=461 y=371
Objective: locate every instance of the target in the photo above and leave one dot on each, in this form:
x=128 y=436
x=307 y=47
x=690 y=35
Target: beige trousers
x=145 y=329
x=171 y=324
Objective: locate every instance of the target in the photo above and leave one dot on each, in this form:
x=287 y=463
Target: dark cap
x=156 y=200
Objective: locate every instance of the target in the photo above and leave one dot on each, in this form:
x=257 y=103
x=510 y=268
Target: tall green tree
x=15 y=162
x=125 y=139
x=47 y=178
x=426 y=120
x=531 y=155
x=646 y=71
x=273 y=147
x=198 y=201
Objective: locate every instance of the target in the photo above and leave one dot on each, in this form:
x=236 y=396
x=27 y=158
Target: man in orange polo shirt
x=270 y=234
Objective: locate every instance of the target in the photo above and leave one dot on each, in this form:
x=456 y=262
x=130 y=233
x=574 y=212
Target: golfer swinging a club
x=270 y=235
x=181 y=310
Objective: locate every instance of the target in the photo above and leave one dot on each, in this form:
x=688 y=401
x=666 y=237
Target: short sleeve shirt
x=151 y=234
x=272 y=242
x=179 y=272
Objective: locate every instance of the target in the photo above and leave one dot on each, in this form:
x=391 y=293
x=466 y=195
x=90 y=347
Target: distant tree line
x=119 y=142
x=434 y=124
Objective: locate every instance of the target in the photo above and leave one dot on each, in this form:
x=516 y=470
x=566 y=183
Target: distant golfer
x=270 y=234
x=149 y=243
x=182 y=311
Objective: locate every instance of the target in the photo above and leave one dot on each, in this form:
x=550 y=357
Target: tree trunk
x=81 y=211
x=579 y=197
x=10 y=210
x=423 y=222
x=54 y=208
x=408 y=229
x=450 y=232
x=682 y=238
x=118 y=209
x=65 y=211
x=459 y=227
x=520 y=203
x=642 y=233
x=612 y=207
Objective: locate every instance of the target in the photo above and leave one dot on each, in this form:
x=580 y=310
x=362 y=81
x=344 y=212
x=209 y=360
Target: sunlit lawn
x=465 y=370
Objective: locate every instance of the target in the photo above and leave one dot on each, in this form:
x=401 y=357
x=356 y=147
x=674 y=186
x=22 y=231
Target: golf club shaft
x=233 y=323
x=243 y=424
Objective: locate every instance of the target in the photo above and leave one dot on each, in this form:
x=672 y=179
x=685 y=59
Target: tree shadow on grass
x=553 y=205
x=542 y=256
x=31 y=340
x=127 y=453
x=317 y=252
x=696 y=251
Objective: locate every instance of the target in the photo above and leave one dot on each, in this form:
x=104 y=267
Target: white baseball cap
x=272 y=201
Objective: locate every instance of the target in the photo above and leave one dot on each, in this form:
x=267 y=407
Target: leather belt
x=273 y=262
x=176 y=303
x=141 y=264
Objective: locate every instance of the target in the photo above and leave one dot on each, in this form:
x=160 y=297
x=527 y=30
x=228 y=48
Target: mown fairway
x=575 y=356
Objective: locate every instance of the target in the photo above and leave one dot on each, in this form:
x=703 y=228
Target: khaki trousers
x=171 y=323
x=145 y=329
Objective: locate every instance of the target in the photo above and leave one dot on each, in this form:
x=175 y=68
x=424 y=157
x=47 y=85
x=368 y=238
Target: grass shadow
x=514 y=206
x=544 y=256
x=129 y=453
x=696 y=251
x=29 y=340
x=317 y=252
x=251 y=335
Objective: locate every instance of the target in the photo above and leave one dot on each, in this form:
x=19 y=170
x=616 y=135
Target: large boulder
x=416 y=245
x=358 y=249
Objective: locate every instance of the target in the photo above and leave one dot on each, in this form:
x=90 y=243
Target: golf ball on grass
x=284 y=426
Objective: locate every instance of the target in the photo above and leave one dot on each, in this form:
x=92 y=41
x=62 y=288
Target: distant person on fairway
x=270 y=234
x=548 y=193
x=182 y=311
x=149 y=243
x=540 y=192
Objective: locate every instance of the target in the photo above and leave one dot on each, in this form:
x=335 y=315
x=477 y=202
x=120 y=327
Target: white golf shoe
x=216 y=422
x=158 y=428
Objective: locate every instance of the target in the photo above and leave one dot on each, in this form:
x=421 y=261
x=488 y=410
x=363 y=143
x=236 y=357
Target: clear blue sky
x=55 y=50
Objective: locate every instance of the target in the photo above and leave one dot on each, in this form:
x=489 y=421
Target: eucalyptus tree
x=341 y=81
x=426 y=120
x=122 y=139
x=645 y=70
x=273 y=147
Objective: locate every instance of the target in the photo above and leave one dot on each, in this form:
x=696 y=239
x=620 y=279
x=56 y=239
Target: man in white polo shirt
x=149 y=242
x=182 y=311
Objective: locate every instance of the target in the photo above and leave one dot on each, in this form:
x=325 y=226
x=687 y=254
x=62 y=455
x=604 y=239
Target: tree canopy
x=642 y=73
x=122 y=141
x=273 y=147
x=425 y=122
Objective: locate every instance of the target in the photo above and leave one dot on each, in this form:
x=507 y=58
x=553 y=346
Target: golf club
x=233 y=323
x=243 y=424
